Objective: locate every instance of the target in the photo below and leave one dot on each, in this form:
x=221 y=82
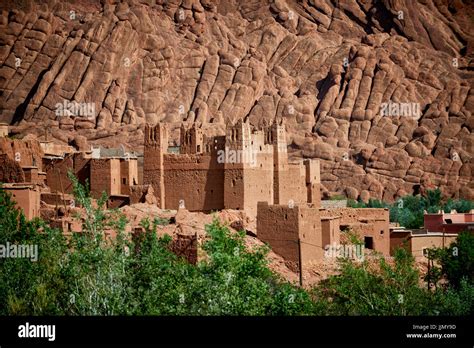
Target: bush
x=87 y=275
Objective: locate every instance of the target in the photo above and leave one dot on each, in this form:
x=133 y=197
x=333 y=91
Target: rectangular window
x=369 y=242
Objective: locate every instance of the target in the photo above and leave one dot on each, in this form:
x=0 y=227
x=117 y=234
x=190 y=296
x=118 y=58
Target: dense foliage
x=86 y=275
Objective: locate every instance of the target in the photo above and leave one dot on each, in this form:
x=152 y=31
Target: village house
x=452 y=222
x=26 y=196
x=418 y=241
x=440 y=230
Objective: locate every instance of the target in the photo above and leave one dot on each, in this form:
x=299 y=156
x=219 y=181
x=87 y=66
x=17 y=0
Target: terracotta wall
x=281 y=227
x=291 y=184
x=27 y=153
x=366 y=222
x=196 y=179
x=105 y=177
x=128 y=175
x=419 y=242
x=10 y=170
x=57 y=169
x=436 y=222
x=399 y=240
x=27 y=199
x=330 y=230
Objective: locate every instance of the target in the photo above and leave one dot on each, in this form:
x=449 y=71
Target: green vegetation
x=408 y=211
x=86 y=275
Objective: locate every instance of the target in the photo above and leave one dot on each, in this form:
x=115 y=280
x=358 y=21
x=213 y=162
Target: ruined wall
x=26 y=152
x=57 y=169
x=367 y=222
x=56 y=174
x=57 y=199
x=53 y=149
x=117 y=201
x=32 y=175
x=3 y=130
x=10 y=170
x=137 y=193
x=196 y=179
x=185 y=246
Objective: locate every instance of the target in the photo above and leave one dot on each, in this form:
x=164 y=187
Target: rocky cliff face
x=380 y=91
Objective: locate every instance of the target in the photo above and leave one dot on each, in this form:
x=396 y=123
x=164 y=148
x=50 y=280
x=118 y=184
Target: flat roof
x=330 y=217
x=459 y=223
x=434 y=234
x=20 y=186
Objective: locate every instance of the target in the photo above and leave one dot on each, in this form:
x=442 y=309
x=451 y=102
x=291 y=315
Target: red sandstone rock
x=325 y=66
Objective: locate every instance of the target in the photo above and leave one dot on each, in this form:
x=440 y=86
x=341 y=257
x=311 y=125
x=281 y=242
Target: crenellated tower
x=155 y=146
x=280 y=157
x=191 y=140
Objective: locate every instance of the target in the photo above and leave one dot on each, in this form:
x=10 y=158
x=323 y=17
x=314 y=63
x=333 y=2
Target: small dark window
x=199 y=148
x=368 y=242
x=381 y=232
x=124 y=181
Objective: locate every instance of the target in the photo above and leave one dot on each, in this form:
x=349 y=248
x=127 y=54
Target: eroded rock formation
x=327 y=66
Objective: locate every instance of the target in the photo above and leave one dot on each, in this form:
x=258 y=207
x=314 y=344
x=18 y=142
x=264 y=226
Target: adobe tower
x=156 y=145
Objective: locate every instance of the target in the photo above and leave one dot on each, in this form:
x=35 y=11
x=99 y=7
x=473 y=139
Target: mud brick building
x=111 y=175
x=453 y=222
x=27 y=197
x=230 y=171
x=284 y=227
x=21 y=161
x=370 y=224
x=418 y=241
